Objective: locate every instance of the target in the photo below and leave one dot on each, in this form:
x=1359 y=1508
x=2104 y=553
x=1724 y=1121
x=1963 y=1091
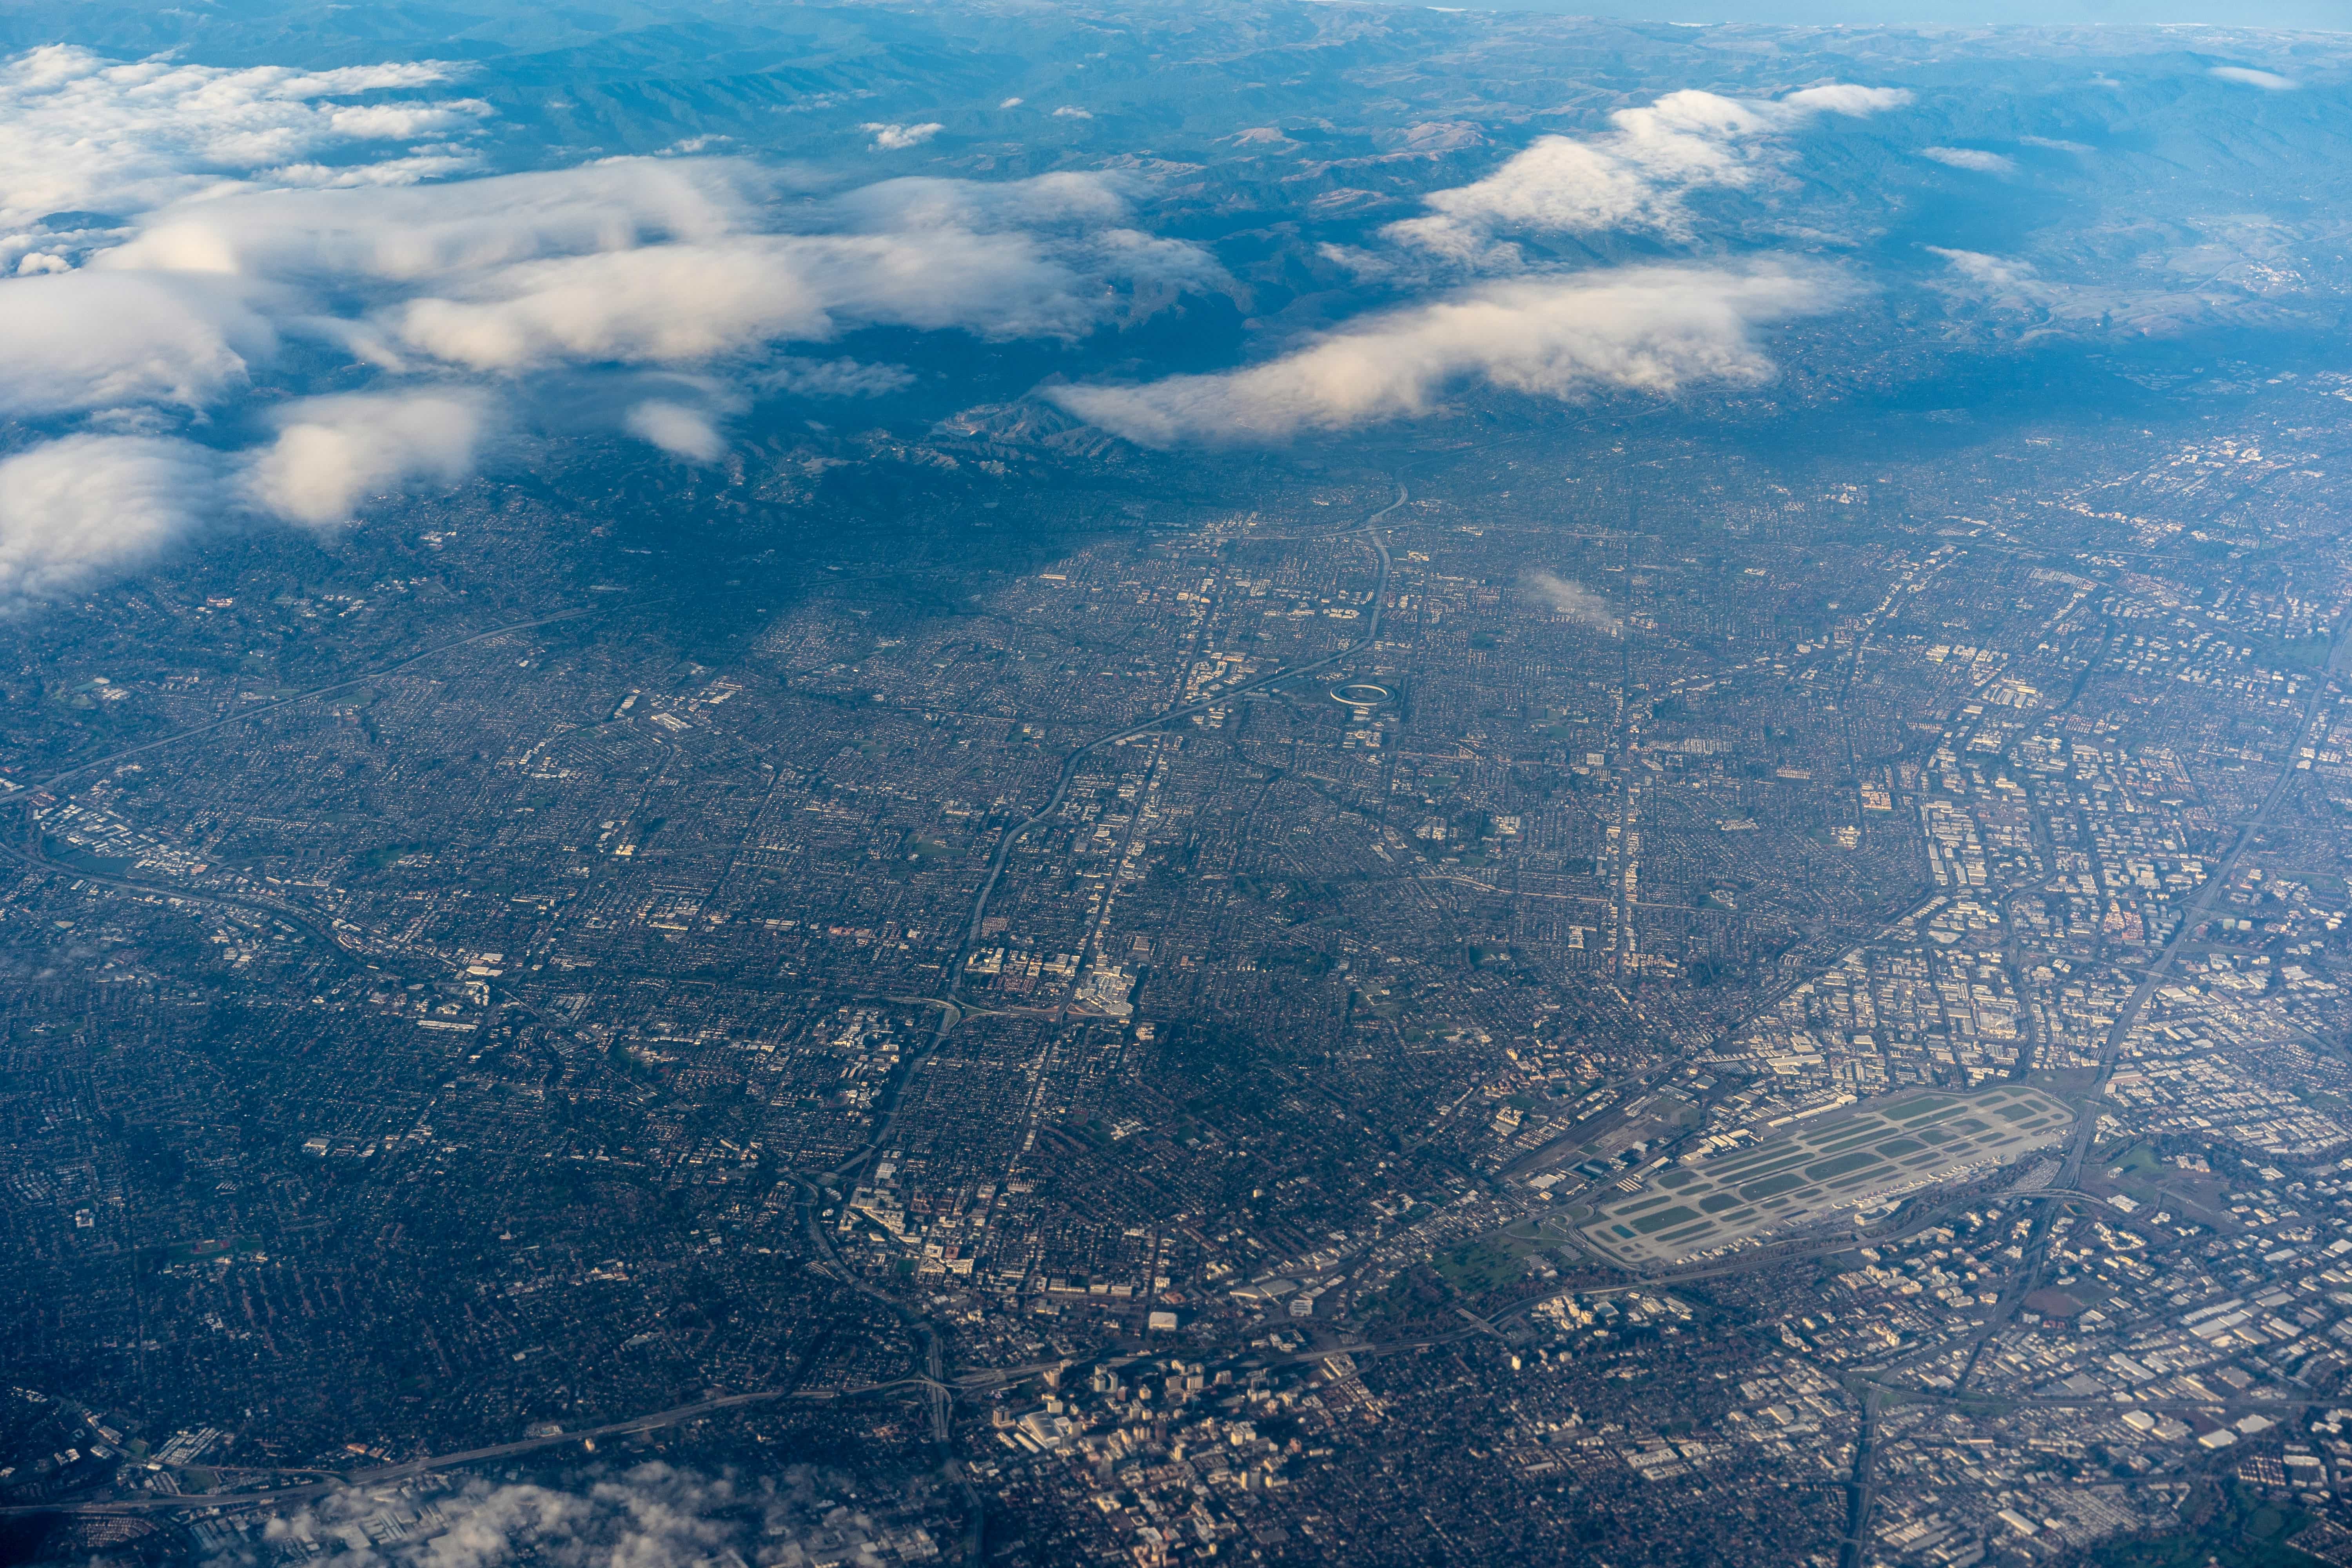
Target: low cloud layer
x=896 y=138
x=83 y=340
x=2006 y=298
x=1973 y=159
x=2245 y=75
x=84 y=507
x=793 y=374
x=87 y=138
x=1993 y=272
x=183 y=240
x=334 y=453
x=681 y=431
x=74 y=509
x=1574 y=600
x=1653 y=330
x=1630 y=178
x=631 y=261
x=178 y=236
x=648 y=1516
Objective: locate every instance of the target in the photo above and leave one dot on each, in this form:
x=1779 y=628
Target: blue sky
x=2334 y=16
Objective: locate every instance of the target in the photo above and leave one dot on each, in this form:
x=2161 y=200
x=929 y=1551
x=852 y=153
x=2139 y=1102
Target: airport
x=1848 y=1160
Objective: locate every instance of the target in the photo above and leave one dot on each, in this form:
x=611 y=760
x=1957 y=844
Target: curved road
x=30 y=853
x=258 y=710
x=949 y=1015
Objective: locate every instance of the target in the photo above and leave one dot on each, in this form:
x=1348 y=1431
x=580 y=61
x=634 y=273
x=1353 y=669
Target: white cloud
x=1067 y=112
x=333 y=453
x=176 y=226
x=681 y=431
x=2056 y=144
x=649 y=1516
x=1845 y=98
x=79 y=508
x=75 y=509
x=195 y=277
x=1366 y=265
x=81 y=340
x=668 y=304
x=892 y=138
x=647 y=261
x=1013 y=104
x=78 y=132
x=680 y=304
x=1652 y=330
x=1632 y=177
x=1574 y=600
x=2246 y=76
x=417 y=237
x=1969 y=158
x=930 y=254
x=409 y=171
x=2002 y=298
x=1064 y=201
x=1992 y=271
x=797 y=377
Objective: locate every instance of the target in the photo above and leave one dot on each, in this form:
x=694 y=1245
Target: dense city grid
x=1700 y=982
